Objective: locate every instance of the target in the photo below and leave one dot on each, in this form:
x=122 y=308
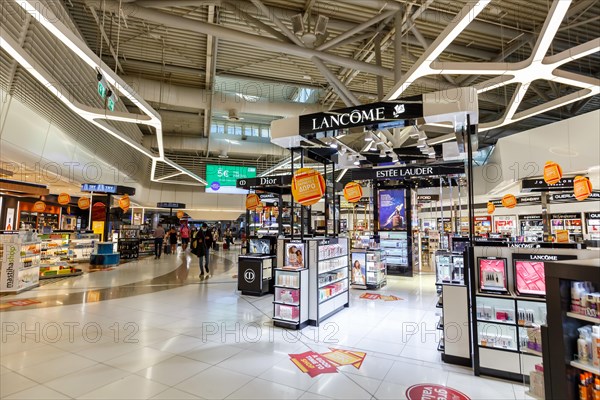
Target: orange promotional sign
x=260 y=207
x=64 y=199
x=39 y=206
x=582 y=188
x=180 y=214
x=353 y=192
x=491 y=207
x=308 y=186
x=252 y=201
x=562 y=236
x=124 y=202
x=509 y=201
x=83 y=203
x=552 y=173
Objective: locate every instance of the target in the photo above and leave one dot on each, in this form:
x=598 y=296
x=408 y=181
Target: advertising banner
x=64 y=199
x=353 y=192
x=359 y=273
x=294 y=255
x=308 y=186
x=392 y=212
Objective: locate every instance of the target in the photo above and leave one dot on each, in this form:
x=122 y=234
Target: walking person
x=173 y=240
x=184 y=232
x=201 y=244
x=159 y=234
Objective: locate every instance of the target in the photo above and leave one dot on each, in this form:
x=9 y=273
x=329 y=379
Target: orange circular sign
x=252 y=201
x=180 y=214
x=39 y=206
x=353 y=192
x=509 y=201
x=64 y=199
x=491 y=207
x=552 y=173
x=124 y=202
x=582 y=188
x=260 y=208
x=83 y=203
x=308 y=186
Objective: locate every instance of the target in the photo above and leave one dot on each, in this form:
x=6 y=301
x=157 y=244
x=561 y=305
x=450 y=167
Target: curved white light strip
x=537 y=66
x=96 y=117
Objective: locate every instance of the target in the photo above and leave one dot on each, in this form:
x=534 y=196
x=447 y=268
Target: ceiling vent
x=298 y=24
x=233 y=116
x=321 y=25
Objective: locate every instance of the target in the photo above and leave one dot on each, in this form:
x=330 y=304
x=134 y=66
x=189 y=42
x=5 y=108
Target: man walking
x=201 y=244
x=159 y=235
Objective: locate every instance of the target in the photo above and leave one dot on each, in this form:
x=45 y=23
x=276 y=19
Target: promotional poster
x=359 y=272
x=294 y=255
x=392 y=212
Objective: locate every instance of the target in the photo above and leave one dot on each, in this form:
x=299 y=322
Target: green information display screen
x=227 y=175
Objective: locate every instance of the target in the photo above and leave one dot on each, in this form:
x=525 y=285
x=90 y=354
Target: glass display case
x=395 y=245
x=449 y=267
x=290 y=305
x=497 y=336
x=55 y=256
x=368 y=269
x=81 y=246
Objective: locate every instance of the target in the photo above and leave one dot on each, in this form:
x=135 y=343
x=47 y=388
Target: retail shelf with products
x=81 y=246
x=55 y=256
x=395 y=245
x=449 y=267
x=129 y=242
x=290 y=305
x=20 y=254
x=368 y=269
x=509 y=298
x=329 y=277
x=531 y=227
x=146 y=246
x=573 y=288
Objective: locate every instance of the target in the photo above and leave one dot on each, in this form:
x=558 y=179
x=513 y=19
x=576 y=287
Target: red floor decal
x=24 y=302
x=314 y=364
x=434 y=392
x=375 y=296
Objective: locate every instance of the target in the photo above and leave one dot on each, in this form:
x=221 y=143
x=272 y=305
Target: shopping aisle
x=179 y=337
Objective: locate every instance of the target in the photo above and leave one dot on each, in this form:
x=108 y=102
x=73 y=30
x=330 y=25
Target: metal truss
x=97 y=117
x=537 y=66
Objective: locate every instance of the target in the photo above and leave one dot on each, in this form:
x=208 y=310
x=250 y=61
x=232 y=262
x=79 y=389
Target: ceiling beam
x=254 y=21
x=14 y=63
x=238 y=36
x=106 y=39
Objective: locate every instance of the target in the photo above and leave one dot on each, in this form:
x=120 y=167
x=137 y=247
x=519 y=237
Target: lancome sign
x=368 y=114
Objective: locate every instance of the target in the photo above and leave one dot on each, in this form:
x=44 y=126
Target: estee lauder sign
x=367 y=114
x=406 y=172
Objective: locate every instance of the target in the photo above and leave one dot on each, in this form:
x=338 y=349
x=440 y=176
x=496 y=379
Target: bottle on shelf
x=595 y=346
x=583 y=344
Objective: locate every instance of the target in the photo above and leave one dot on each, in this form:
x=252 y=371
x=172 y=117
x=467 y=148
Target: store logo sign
x=544 y=257
x=399 y=109
x=594 y=216
x=352 y=118
x=249 y=276
x=268 y=181
x=10 y=269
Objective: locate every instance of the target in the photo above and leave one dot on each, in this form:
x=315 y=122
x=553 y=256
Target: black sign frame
x=413 y=171
x=170 y=205
x=119 y=190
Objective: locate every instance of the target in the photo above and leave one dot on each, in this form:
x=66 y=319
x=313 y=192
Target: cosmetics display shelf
x=593 y=320
x=368 y=269
x=290 y=305
x=20 y=254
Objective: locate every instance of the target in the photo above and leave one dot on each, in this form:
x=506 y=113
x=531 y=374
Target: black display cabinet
x=559 y=336
x=255 y=274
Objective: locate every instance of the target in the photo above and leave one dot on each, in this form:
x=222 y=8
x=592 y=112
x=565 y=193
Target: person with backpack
x=201 y=245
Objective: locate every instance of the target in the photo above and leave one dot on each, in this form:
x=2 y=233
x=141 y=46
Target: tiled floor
x=169 y=335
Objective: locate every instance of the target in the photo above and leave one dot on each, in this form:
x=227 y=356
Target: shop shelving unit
x=571 y=222
x=129 y=242
x=290 y=305
x=395 y=245
x=329 y=278
x=20 y=254
x=375 y=268
x=531 y=227
x=81 y=246
x=55 y=256
x=561 y=369
x=146 y=246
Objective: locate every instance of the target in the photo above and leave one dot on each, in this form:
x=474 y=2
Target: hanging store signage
x=83 y=203
x=64 y=199
x=582 y=188
x=279 y=180
x=531 y=217
x=227 y=175
x=509 y=201
x=408 y=172
x=180 y=214
x=539 y=185
x=308 y=186
x=367 y=114
x=565 y=216
x=39 y=206
x=491 y=208
x=124 y=203
x=552 y=173
x=592 y=215
x=353 y=192
x=526 y=200
x=108 y=189
x=170 y=205
x=570 y=197
x=422 y=198
x=252 y=202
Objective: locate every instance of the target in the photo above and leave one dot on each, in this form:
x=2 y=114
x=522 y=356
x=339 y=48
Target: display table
x=104 y=255
x=254 y=274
